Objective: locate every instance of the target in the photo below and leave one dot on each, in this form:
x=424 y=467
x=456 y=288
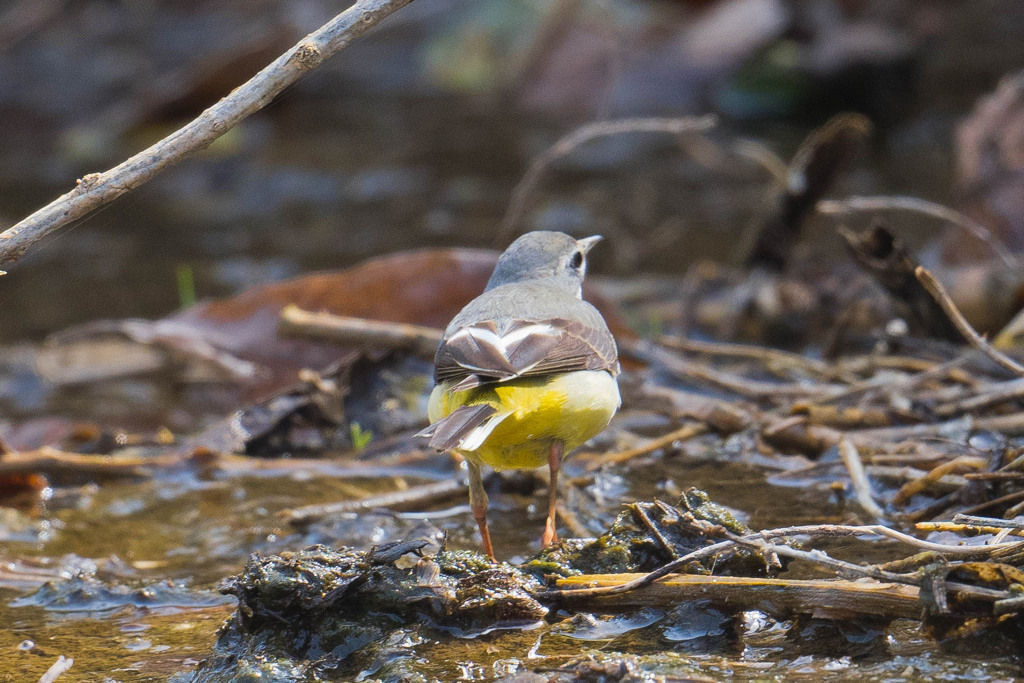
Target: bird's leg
x=554 y=462
x=478 y=502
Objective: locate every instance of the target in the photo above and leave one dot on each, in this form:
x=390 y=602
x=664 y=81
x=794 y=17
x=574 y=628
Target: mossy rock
x=313 y=613
x=308 y=611
x=646 y=536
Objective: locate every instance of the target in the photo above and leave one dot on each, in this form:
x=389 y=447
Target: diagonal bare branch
x=96 y=189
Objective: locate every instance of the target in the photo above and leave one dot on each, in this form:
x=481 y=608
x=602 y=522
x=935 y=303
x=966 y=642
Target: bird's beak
x=587 y=243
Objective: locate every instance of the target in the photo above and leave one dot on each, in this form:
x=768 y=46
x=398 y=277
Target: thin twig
x=861 y=485
x=359 y=332
x=1014 y=497
x=654 y=531
x=1009 y=425
x=722 y=416
x=569 y=519
x=873 y=362
x=640 y=581
x=1014 y=510
x=897 y=203
x=698 y=372
x=763 y=156
x=912 y=488
x=771 y=358
x=584 y=134
x=687 y=431
x=822 y=531
x=1008 y=606
x=842 y=417
x=822 y=558
x=427 y=494
x=406 y=465
x=57 y=463
x=53 y=462
x=961 y=528
x=992 y=394
x=936 y=289
x=911 y=474
x=97 y=189
x=929 y=371
x=975 y=520
x=839 y=530
x=796 y=433
x=994 y=476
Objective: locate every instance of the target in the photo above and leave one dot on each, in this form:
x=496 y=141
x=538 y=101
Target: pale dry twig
x=584 y=134
x=96 y=189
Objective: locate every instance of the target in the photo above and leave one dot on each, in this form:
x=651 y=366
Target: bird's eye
x=577 y=260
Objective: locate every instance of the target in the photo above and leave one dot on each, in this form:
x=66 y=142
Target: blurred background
x=416 y=134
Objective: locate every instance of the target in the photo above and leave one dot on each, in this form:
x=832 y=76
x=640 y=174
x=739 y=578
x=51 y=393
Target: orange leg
x=554 y=463
x=478 y=502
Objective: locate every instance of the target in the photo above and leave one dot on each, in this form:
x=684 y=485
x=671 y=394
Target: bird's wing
x=466 y=426
x=504 y=347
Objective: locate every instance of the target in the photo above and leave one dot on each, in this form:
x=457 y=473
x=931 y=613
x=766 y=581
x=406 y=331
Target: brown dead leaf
x=418 y=287
x=235 y=342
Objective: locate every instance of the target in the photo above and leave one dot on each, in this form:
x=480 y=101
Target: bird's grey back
x=544 y=298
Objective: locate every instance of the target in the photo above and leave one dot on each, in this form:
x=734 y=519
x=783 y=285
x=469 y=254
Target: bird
x=525 y=372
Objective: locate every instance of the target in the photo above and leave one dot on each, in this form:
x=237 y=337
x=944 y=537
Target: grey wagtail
x=526 y=371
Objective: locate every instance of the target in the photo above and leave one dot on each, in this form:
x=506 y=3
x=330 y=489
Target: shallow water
x=129 y=623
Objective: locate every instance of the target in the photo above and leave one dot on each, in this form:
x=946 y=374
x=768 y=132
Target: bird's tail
x=465 y=428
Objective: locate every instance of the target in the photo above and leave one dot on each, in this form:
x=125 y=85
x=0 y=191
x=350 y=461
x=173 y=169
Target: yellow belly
x=571 y=408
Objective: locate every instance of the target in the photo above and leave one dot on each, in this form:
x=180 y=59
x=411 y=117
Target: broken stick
x=359 y=332
x=941 y=297
x=96 y=189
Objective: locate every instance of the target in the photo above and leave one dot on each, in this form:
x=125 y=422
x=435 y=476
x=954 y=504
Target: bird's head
x=543 y=254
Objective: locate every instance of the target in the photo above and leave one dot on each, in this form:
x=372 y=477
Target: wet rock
x=310 y=610
x=646 y=536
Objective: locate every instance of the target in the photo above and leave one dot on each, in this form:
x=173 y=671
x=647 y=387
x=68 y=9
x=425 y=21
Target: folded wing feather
x=458 y=427
x=484 y=352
